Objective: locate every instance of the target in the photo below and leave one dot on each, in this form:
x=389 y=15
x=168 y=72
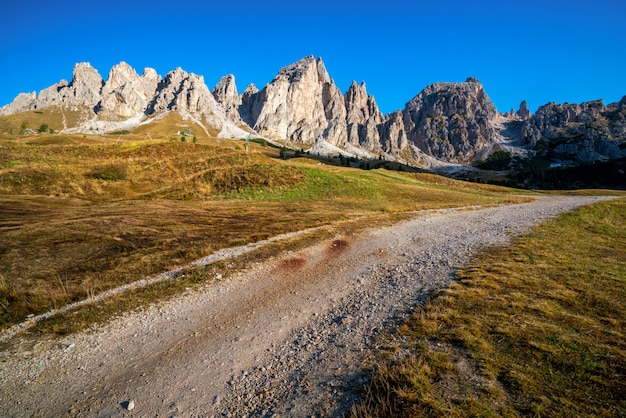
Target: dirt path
x=286 y=338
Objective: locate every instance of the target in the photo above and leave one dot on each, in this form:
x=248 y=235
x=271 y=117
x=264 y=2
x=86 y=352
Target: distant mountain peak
x=450 y=122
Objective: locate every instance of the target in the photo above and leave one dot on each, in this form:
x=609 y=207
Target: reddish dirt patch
x=337 y=247
x=292 y=264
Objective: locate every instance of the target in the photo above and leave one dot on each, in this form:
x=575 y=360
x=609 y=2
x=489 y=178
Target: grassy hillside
x=80 y=214
x=52 y=117
x=537 y=329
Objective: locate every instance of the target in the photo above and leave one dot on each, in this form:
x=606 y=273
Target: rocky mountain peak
x=125 y=93
x=363 y=117
x=583 y=132
x=322 y=73
x=302 y=104
x=150 y=74
x=167 y=91
x=454 y=122
x=149 y=81
x=22 y=102
x=86 y=85
x=248 y=99
x=225 y=93
x=472 y=80
x=83 y=90
x=119 y=75
x=226 y=89
x=451 y=121
x=184 y=92
x=295 y=72
x=187 y=94
x=393 y=133
x=250 y=90
x=357 y=103
x=523 y=111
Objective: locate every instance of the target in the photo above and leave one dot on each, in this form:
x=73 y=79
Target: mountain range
x=302 y=107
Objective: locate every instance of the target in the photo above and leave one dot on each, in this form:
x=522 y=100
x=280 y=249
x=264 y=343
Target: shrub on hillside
x=111 y=172
x=498 y=161
x=253 y=176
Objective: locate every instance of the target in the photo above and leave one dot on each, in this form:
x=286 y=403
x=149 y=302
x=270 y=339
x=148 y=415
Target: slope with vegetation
x=81 y=214
x=535 y=329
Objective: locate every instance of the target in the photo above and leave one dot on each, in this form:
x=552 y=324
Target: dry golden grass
x=80 y=214
x=53 y=117
x=539 y=327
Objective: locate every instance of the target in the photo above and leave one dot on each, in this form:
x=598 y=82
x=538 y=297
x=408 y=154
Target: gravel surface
x=287 y=337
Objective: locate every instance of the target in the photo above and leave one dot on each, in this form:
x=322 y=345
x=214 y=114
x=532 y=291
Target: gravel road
x=287 y=337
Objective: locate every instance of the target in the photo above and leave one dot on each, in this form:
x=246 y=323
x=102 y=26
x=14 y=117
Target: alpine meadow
x=293 y=251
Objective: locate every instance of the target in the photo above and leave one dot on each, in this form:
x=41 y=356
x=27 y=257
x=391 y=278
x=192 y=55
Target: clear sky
x=540 y=51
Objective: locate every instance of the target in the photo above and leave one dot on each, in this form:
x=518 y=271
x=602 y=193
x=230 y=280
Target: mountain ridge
x=446 y=123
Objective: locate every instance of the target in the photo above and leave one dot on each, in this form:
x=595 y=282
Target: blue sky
x=539 y=51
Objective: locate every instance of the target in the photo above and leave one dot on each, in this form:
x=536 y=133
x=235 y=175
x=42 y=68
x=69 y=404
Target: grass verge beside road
x=534 y=329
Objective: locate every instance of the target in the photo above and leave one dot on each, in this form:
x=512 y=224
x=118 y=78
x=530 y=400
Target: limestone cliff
x=225 y=93
x=128 y=98
x=187 y=94
x=301 y=105
x=393 y=134
x=584 y=132
x=83 y=90
x=363 y=118
x=125 y=93
x=451 y=121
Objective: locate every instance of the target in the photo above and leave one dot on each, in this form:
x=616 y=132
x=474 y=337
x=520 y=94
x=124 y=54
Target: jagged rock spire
x=302 y=104
x=125 y=93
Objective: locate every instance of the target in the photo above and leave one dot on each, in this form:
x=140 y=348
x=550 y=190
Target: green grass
x=379 y=190
x=535 y=329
